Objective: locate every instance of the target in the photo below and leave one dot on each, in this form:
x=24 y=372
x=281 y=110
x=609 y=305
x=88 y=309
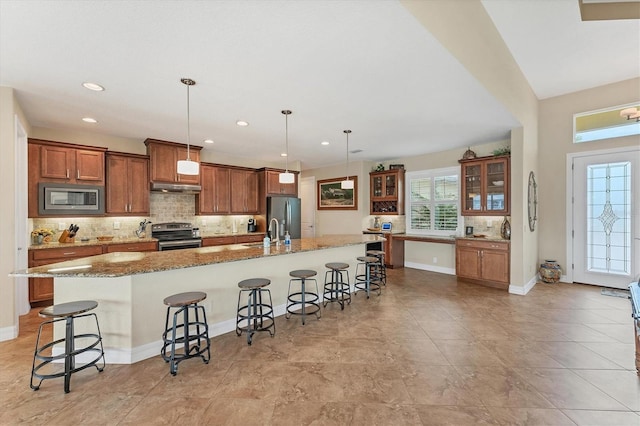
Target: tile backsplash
x=487 y=225
x=164 y=207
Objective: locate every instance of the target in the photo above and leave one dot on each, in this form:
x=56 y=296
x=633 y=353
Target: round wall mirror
x=532 y=201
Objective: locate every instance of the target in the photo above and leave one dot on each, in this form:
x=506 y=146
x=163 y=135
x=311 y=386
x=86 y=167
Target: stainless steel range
x=176 y=235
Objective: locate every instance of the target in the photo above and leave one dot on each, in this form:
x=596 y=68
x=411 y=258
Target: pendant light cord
x=286 y=113
x=347 y=166
x=188 y=126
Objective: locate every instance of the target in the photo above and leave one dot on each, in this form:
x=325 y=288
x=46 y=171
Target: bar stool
x=366 y=278
x=335 y=287
x=185 y=302
x=257 y=314
x=381 y=269
x=67 y=312
x=303 y=297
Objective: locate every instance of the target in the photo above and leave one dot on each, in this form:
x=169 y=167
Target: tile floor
x=429 y=351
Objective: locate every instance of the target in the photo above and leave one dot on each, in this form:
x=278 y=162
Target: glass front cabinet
x=485 y=186
x=387 y=192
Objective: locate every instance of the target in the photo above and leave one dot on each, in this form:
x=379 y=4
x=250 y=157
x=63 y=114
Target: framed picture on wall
x=331 y=196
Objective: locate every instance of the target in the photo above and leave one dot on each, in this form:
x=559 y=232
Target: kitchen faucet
x=277 y=239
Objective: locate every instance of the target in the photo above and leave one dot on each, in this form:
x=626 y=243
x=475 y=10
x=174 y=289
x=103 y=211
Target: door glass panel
x=377 y=186
x=473 y=194
x=609 y=218
x=495 y=186
x=390 y=186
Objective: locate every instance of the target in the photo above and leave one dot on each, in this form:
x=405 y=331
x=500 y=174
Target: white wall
x=556 y=142
x=9 y=108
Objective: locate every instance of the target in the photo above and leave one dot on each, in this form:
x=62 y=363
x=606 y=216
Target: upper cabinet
x=66 y=163
x=215 y=196
x=244 y=191
x=164 y=158
x=269 y=182
x=485 y=186
x=387 y=192
x=60 y=162
x=127 y=189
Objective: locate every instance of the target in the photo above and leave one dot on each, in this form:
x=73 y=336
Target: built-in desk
x=397 y=243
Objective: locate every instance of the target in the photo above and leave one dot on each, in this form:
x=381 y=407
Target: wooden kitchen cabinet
x=485 y=262
x=244 y=191
x=129 y=247
x=249 y=238
x=127 y=189
x=274 y=187
x=232 y=239
x=163 y=159
x=386 y=192
x=218 y=241
x=60 y=162
x=215 y=196
x=41 y=289
x=486 y=186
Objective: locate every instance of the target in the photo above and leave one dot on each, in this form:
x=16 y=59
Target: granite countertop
x=485 y=238
x=132 y=263
x=91 y=242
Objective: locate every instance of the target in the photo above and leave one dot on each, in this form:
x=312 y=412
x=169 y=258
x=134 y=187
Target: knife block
x=64 y=238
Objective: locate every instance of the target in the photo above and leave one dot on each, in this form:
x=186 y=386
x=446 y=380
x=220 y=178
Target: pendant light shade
x=287 y=176
x=188 y=167
x=347 y=183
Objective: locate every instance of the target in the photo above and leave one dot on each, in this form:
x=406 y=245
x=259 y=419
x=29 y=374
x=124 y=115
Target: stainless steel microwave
x=70 y=199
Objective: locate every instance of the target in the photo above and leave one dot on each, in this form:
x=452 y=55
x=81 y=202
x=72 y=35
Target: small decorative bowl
x=105 y=238
x=498 y=182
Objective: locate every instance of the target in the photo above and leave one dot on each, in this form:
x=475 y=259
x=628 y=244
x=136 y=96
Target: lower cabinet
x=231 y=239
x=41 y=289
x=126 y=247
x=485 y=262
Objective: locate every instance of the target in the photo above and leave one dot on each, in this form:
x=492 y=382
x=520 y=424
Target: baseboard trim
x=8 y=333
x=523 y=290
x=432 y=268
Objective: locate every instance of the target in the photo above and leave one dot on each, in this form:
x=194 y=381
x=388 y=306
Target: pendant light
x=347 y=183
x=188 y=167
x=287 y=176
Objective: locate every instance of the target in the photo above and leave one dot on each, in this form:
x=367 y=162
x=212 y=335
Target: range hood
x=175 y=187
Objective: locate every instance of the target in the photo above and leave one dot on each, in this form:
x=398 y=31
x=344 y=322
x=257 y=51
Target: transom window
x=433 y=201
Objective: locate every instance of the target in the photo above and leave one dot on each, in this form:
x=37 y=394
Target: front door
x=606 y=218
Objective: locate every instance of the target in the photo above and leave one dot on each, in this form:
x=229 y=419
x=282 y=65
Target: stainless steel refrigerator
x=287 y=211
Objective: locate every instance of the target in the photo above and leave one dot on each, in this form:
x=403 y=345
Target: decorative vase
x=37 y=239
x=505 y=229
x=550 y=271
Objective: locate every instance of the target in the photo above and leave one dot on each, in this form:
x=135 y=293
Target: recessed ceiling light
x=324 y=143
x=284 y=154
x=242 y=123
x=208 y=141
x=89 y=120
x=93 y=86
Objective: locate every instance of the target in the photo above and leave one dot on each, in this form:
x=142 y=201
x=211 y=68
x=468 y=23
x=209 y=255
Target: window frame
x=432 y=174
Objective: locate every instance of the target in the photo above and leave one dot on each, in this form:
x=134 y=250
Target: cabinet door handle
x=67 y=173
x=69 y=253
x=78 y=174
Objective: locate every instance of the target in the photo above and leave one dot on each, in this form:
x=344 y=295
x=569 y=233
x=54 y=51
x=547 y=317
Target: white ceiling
x=364 y=65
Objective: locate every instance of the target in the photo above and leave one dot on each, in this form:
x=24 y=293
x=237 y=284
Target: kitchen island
x=130 y=287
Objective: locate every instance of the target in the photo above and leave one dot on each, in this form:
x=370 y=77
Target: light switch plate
x=116 y=225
